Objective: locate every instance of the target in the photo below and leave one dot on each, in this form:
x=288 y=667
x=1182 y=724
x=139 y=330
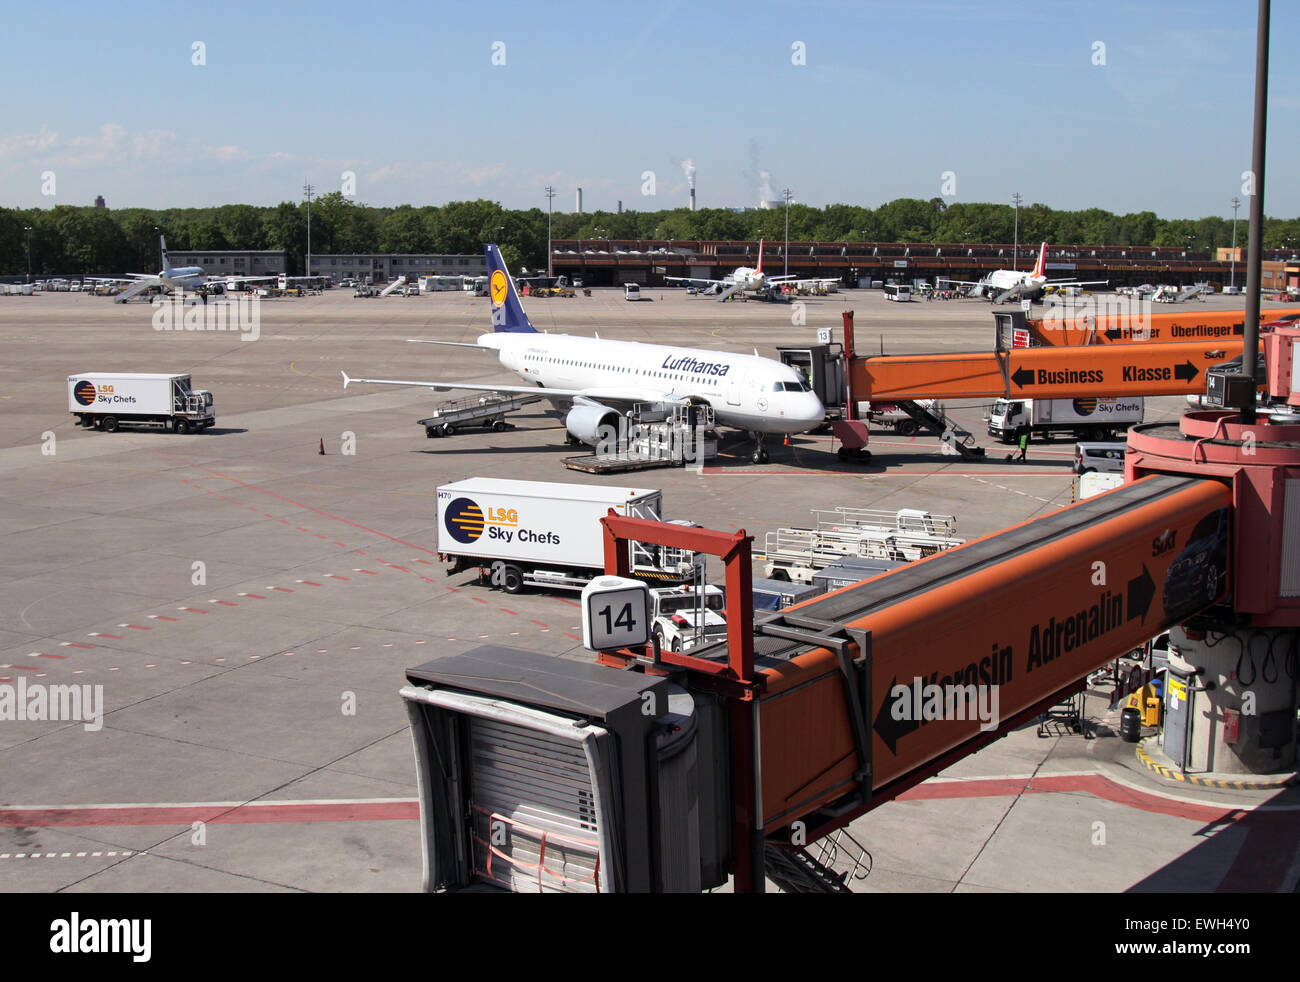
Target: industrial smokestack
x=688 y=168
x=620 y=206
x=579 y=202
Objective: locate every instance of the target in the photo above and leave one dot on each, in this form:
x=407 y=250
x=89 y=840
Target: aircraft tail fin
x=162 y=243
x=507 y=313
x=759 y=269
x=1040 y=267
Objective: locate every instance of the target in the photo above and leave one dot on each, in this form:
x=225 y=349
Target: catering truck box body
x=1083 y=419
x=105 y=400
x=543 y=533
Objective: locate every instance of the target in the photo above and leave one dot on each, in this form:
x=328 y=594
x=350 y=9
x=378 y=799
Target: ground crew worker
x=1024 y=443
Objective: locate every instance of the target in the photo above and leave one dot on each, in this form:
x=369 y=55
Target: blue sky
x=405 y=95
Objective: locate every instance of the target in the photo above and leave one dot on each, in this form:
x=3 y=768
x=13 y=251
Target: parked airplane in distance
x=591 y=381
x=754 y=279
x=1010 y=284
x=191 y=279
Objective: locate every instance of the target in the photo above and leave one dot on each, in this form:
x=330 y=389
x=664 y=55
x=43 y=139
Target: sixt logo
x=1164 y=542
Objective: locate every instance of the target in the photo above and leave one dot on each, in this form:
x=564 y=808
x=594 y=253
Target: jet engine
x=585 y=423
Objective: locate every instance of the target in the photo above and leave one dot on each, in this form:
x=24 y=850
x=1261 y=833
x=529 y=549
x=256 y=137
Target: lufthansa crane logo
x=84 y=392
x=464 y=520
x=499 y=287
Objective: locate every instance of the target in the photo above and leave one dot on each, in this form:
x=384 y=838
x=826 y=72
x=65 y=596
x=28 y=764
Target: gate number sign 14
x=615 y=613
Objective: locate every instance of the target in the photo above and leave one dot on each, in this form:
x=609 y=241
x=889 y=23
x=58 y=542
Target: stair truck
x=1083 y=419
x=107 y=400
x=545 y=534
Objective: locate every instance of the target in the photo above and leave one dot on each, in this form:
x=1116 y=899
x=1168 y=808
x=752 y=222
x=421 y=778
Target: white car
x=676 y=616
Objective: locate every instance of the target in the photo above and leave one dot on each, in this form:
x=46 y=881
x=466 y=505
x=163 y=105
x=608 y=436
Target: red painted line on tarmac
x=574 y=636
x=74 y=644
x=301 y=529
x=226 y=603
x=571 y=603
x=319 y=536
x=1262 y=861
x=21 y=668
x=506 y=611
x=41 y=654
x=255 y=596
x=139 y=627
x=164 y=617
x=267 y=515
x=308 y=583
x=426 y=562
x=454 y=589
x=479 y=600
x=943 y=790
x=394 y=566
x=342 y=544
x=398 y=809
x=194 y=610
x=115 y=637
x=368 y=572
x=541 y=624
x=334 y=576
x=282 y=589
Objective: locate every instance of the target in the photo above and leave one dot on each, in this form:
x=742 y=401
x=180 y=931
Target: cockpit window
x=792 y=387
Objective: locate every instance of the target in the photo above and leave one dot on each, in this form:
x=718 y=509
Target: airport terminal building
x=605 y=262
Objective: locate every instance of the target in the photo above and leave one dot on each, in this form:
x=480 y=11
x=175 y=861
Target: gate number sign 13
x=615 y=613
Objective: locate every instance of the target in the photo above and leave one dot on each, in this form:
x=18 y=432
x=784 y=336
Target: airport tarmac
x=249 y=606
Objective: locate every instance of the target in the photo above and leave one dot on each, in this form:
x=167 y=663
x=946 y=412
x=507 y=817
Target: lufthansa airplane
x=592 y=380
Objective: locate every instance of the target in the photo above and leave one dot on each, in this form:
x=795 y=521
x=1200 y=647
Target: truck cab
x=683 y=618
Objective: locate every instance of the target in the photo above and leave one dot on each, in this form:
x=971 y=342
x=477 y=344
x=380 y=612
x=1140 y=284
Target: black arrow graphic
x=1023 y=376
x=1141 y=591
x=1113 y=333
x=1186 y=371
x=892 y=730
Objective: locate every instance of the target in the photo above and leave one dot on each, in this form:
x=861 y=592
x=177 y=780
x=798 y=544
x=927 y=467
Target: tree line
x=70 y=239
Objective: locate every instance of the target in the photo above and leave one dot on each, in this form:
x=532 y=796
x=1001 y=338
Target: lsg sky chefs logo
x=242 y=314
x=467 y=522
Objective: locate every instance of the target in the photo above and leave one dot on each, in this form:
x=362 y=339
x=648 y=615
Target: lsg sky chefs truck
x=106 y=400
x=1083 y=419
x=544 y=534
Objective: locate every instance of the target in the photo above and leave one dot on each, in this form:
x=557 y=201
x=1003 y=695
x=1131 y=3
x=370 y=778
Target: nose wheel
x=760 y=455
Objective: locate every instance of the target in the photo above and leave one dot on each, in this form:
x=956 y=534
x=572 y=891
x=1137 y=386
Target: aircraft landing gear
x=760 y=455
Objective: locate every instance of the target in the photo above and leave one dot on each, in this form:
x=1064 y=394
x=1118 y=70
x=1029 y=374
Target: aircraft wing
x=944 y=279
x=693 y=279
x=604 y=396
x=1077 y=282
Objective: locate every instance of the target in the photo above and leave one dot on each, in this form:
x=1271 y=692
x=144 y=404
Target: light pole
x=550 y=196
x=787 y=194
x=1015 y=244
x=309 y=189
x=1236 y=203
x=28 y=230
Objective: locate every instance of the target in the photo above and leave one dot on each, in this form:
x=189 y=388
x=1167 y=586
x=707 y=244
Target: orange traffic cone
x=321 y=451
x=786 y=441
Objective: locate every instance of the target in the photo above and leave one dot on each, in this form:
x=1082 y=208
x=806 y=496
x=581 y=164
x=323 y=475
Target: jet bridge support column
x=1237 y=663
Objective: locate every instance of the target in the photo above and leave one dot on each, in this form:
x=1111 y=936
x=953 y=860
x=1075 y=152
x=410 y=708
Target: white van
x=631 y=291
x=898 y=291
x=1103 y=457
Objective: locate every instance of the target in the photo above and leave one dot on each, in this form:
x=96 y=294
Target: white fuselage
x=1009 y=279
x=749 y=279
x=747 y=392
x=183 y=277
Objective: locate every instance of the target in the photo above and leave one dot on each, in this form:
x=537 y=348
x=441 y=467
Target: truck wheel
x=677 y=644
x=844 y=453
x=513 y=580
x=780 y=574
x=430 y=432
x=499 y=426
x=448 y=429
x=658 y=633
x=110 y=424
x=905 y=427
x=182 y=426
